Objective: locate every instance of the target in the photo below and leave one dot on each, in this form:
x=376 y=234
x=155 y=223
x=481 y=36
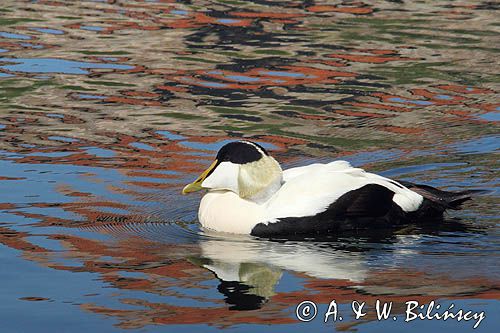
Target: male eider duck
x=249 y=193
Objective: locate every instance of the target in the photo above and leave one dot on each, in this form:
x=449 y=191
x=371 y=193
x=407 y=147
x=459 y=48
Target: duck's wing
x=311 y=190
x=314 y=168
x=442 y=199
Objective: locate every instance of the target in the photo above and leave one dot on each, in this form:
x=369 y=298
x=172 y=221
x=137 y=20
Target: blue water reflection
x=52 y=65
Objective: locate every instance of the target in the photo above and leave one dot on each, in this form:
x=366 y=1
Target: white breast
x=225 y=211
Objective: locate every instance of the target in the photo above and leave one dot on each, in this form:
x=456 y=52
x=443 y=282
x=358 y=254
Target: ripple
x=491 y=116
x=32 y=46
x=12 y=35
x=142 y=146
x=162 y=232
x=48 y=31
x=94 y=152
x=91 y=28
x=169 y=135
x=89 y=96
x=53 y=65
x=416 y=102
x=488 y=144
x=217 y=145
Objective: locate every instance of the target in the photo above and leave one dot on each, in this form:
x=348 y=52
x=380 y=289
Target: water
x=108 y=109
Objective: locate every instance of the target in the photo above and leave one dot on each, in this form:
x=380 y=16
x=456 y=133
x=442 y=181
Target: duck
x=247 y=192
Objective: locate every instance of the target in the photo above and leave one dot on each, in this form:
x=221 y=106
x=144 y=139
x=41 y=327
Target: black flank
x=358 y=209
x=368 y=207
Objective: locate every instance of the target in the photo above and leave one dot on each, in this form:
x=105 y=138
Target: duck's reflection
x=249 y=269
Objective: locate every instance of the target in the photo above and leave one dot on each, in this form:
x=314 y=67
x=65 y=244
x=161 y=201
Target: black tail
x=443 y=199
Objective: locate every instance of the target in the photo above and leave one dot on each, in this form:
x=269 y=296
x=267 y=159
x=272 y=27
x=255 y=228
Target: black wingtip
x=443 y=199
x=458 y=198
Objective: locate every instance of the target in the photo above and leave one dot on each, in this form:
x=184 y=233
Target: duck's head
x=243 y=167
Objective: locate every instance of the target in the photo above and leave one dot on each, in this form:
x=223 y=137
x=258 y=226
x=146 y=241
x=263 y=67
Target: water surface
x=108 y=108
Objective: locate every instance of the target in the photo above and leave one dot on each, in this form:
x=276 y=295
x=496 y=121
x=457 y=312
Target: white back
x=316 y=186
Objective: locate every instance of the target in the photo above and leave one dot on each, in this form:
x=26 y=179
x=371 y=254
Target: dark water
x=108 y=108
